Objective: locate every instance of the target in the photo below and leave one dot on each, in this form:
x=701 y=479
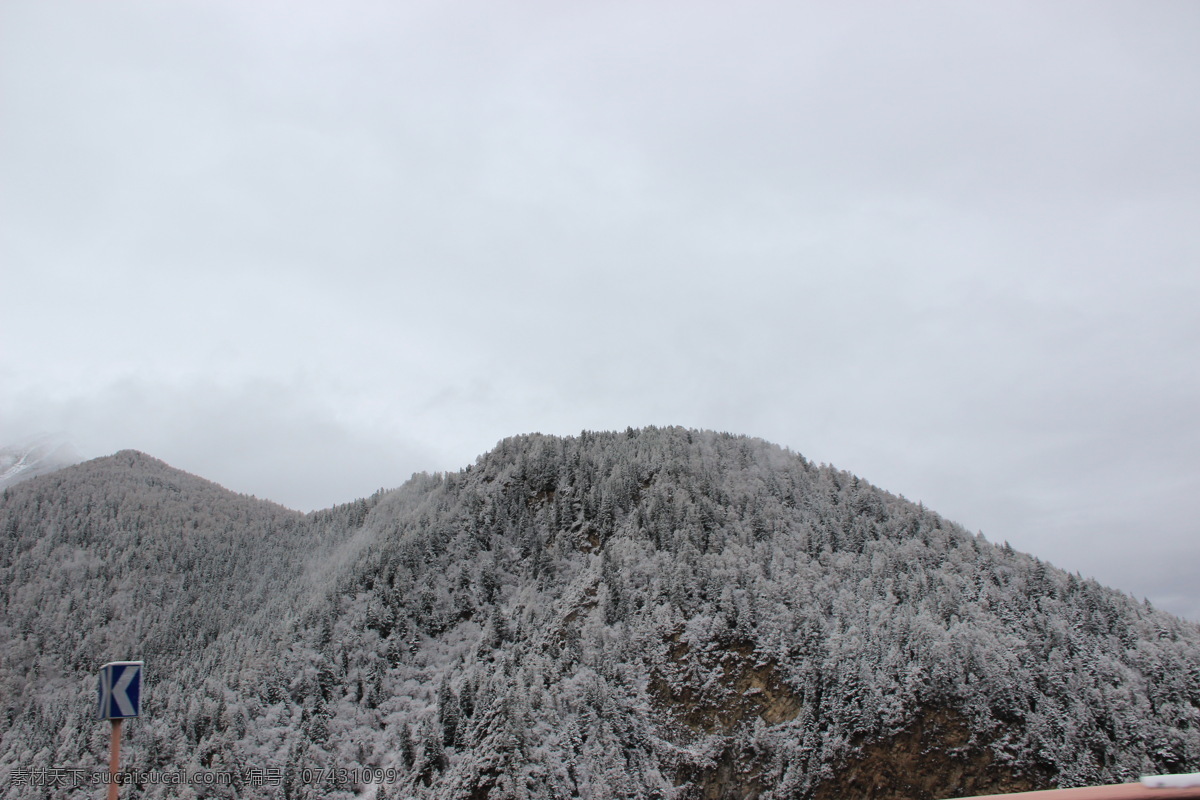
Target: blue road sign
x=120 y=689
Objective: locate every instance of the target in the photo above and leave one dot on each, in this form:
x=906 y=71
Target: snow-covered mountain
x=35 y=456
x=659 y=613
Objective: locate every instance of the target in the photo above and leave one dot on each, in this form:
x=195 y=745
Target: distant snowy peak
x=35 y=456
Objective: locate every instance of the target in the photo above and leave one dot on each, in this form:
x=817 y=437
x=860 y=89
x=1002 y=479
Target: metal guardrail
x=1151 y=787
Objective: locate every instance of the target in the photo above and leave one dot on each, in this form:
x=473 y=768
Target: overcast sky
x=305 y=249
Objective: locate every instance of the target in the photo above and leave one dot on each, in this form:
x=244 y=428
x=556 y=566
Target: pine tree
x=448 y=712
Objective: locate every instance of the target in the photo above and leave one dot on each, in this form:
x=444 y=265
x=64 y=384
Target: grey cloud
x=951 y=248
x=263 y=438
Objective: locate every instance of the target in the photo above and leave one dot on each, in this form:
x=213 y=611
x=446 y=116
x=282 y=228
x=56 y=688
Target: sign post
x=120 y=697
x=114 y=759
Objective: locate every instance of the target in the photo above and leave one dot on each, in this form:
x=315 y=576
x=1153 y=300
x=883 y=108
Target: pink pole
x=114 y=759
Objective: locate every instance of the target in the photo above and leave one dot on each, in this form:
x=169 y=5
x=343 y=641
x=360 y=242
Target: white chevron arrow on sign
x=118 y=691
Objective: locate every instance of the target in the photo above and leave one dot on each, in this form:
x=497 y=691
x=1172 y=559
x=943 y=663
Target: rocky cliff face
x=655 y=613
x=937 y=756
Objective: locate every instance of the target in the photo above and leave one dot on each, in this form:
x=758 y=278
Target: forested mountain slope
x=126 y=558
x=656 y=613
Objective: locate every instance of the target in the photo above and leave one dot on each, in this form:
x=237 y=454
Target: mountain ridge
x=653 y=613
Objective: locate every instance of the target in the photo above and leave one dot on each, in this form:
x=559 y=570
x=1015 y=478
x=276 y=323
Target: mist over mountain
x=658 y=613
x=36 y=455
